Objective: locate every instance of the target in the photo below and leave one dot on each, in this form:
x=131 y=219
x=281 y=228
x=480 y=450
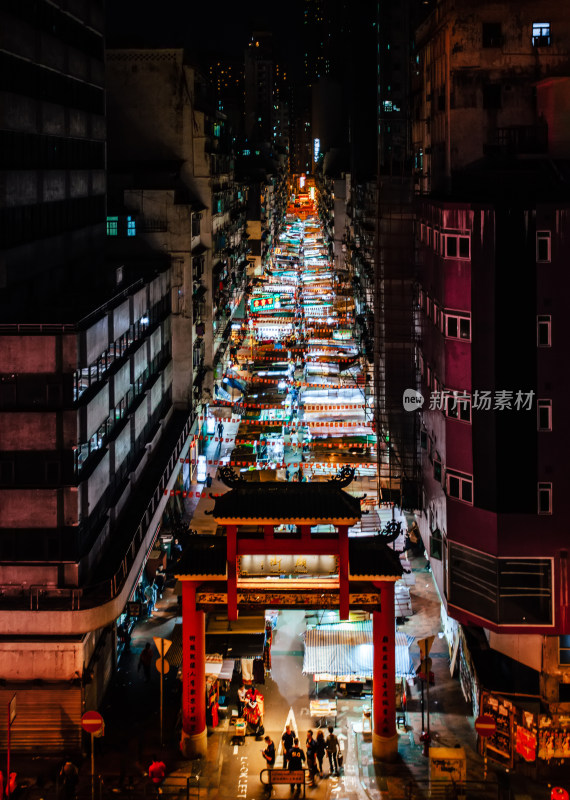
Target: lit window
x=131 y=227
x=460 y=486
x=544 y=414
x=545 y=498
x=543 y=246
x=544 y=330
x=112 y=226
x=541 y=34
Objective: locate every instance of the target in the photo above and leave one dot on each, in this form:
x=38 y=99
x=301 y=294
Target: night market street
x=233 y=764
x=283 y=381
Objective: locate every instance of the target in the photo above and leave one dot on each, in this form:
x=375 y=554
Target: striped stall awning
x=345 y=648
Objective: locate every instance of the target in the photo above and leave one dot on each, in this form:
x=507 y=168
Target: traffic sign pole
x=8 y=756
x=427 y=706
x=162 y=645
x=11 y=718
x=485 y=726
x=161 y=692
x=92 y=723
x=92 y=766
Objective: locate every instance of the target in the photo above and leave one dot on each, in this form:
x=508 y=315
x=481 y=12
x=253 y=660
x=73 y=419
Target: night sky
x=206 y=27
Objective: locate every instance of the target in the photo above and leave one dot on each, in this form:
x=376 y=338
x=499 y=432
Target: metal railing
x=451 y=790
x=75 y=599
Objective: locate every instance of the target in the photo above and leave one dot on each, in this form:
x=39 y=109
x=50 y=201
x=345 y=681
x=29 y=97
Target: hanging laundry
x=247 y=669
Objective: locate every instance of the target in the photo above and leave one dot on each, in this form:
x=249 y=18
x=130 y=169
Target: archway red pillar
x=194 y=733
x=384 y=736
x=343 y=571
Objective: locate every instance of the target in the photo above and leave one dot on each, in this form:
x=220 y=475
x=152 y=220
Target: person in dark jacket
x=333 y=747
x=296 y=758
x=311 y=748
x=320 y=748
x=145 y=661
x=288 y=739
x=269 y=752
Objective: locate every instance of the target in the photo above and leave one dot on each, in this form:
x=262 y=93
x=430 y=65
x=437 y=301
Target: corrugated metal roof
x=346 y=648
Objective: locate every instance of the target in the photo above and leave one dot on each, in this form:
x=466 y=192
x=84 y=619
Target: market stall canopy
x=344 y=650
x=229 y=646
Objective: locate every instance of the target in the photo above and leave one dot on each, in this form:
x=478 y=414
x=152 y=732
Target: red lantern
x=558 y=793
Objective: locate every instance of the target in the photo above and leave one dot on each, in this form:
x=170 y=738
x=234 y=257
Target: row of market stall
x=301 y=390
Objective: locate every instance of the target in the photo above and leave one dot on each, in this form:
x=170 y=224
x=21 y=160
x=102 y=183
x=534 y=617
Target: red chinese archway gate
x=217 y=572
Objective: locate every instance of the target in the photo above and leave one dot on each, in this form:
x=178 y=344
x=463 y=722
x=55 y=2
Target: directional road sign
x=162 y=665
x=162 y=645
x=425 y=646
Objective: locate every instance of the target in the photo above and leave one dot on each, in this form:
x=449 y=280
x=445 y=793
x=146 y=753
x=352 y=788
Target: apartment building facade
x=91 y=430
x=490 y=137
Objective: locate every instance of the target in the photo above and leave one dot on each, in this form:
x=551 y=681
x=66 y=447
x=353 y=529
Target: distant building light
x=316 y=149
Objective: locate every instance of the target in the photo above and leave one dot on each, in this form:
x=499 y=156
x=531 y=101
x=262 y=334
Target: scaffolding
x=395 y=370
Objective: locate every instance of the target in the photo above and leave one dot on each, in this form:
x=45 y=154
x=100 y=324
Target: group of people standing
x=249 y=703
x=294 y=757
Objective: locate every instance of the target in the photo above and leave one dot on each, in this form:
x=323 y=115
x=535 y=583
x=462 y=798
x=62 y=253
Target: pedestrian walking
x=288 y=739
x=241 y=698
x=150 y=598
x=269 y=752
x=333 y=747
x=296 y=759
x=220 y=431
x=320 y=748
x=160 y=580
x=69 y=777
x=145 y=661
x=311 y=748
